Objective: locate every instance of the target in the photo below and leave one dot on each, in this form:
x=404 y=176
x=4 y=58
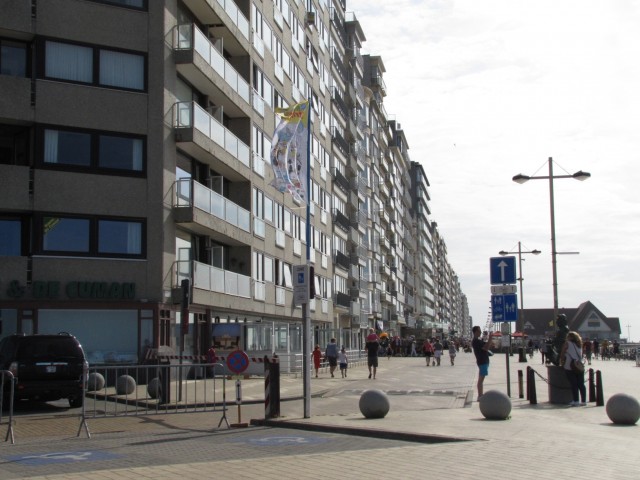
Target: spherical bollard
x=374 y=404
x=95 y=382
x=154 y=388
x=623 y=409
x=495 y=405
x=125 y=385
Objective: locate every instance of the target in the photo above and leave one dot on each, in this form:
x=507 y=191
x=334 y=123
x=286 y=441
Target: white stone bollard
x=623 y=409
x=495 y=405
x=125 y=385
x=374 y=404
x=154 y=388
x=95 y=382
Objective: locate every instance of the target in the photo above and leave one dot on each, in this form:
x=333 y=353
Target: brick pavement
x=537 y=439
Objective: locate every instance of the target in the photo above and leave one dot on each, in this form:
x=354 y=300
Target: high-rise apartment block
x=135 y=176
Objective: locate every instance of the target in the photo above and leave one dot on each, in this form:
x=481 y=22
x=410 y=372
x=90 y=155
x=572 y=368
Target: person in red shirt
x=317 y=357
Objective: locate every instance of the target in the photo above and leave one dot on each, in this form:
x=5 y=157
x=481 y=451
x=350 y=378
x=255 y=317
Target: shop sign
x=40 y=289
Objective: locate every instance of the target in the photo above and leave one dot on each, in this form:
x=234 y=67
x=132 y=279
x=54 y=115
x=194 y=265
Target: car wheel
x=75 y=402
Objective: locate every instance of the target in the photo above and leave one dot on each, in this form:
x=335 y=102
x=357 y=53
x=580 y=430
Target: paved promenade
x=434 y=428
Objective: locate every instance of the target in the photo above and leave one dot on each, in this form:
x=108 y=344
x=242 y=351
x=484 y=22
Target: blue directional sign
x=503 y=270
x=504 y=308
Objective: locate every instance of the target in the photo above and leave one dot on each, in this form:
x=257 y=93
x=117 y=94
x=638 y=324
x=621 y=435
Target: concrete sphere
x=374 y=404
x=495 y=405
x=154 y=388
x=125 y=385
x=623 y=409
x=95 y=382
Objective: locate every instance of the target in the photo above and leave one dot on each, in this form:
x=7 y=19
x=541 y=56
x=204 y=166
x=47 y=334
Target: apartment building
x=134 y=164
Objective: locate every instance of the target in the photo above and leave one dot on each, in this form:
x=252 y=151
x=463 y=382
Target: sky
x=487 y=89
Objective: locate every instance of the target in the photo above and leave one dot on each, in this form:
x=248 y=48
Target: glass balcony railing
x=237 y=17
x=190 y=37
x=214 y=279
x=191 y=193
x=192 y=115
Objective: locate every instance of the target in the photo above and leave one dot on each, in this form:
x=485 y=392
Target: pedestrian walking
x=452 y=353
x=317 y=357
x=372 y=346
x=586 y=348
x=331 y=354
x=427 y=348
x=543 y=351
x=571 y=360
x=481 y=351
x=343 y=361
x=437 y=350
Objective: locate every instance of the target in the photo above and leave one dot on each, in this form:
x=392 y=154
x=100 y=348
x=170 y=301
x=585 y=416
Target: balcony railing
x=214 y=279
x=192 y=193
x=192 y=115
x=190 y=37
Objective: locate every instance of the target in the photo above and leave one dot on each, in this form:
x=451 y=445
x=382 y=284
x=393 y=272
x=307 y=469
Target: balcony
x=192 y=199
x=338 y=140
x=226 y=20
x=340 y=180
x=341 y=220
x=341 y=260
x=214 y=279
x=200 y=62
x=205 y=138
x=342 y=300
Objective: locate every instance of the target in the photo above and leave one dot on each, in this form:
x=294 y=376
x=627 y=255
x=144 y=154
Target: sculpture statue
x=554 y=347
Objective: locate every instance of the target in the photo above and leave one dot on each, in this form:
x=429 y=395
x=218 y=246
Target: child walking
x=343 y=361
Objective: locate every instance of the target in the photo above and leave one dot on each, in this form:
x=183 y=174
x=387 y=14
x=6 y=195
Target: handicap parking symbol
x=284 y=440
x=63 y=457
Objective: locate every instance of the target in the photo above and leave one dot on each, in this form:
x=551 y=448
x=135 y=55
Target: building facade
x=135 y=138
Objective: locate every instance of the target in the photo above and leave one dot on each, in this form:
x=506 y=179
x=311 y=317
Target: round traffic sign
x=237 y=361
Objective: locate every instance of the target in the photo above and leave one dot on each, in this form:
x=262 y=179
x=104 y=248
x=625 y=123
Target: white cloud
x=486 y=90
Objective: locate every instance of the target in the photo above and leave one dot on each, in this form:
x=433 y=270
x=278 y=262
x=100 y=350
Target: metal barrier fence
x=153 y=389
x=7 y=375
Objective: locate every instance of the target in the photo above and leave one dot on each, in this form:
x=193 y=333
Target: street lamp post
x=579 y=175
x=522 y=357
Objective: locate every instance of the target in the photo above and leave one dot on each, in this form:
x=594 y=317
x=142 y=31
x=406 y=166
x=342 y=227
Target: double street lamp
x=579 y=175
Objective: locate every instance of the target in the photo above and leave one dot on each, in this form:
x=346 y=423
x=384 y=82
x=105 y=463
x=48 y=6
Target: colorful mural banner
x=290 y=151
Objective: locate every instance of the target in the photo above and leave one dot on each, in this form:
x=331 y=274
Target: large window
x=78 y=63
x=135 y=4
x=13 y=58
x=94 y=150
x=99 y=237
x=10 y=237
x=14 y=145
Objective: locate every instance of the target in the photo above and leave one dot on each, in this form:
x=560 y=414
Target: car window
x=49 y=347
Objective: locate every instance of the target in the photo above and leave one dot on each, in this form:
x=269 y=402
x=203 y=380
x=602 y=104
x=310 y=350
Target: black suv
x=46 y=367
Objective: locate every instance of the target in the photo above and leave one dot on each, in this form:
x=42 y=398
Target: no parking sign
x=237 y=361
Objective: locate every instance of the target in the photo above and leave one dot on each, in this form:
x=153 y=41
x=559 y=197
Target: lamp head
x=503 y=253
x=520 y=178
x=580 y=175
x=536 y=252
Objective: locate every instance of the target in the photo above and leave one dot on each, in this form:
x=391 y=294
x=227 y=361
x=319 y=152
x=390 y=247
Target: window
x=134 y=4
x=77 y=63
x=93 y=150
x=69 y=148
x=14 y=145
x=120 y=153
x=123 y=70
x=10 y=237
x=61 y=234
x=13 y=58
x=119 y=237
x=98 y=237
